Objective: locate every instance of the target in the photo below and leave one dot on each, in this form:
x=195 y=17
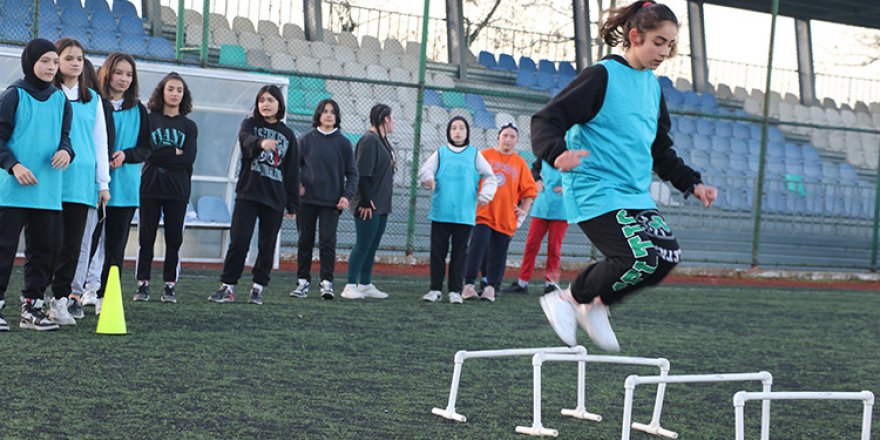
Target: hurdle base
x=655 y=430
x=581 y=413
x=537 y=431
x=449 y=413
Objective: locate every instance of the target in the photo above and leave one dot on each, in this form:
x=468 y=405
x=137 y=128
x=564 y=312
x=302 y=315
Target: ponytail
x=642 y=15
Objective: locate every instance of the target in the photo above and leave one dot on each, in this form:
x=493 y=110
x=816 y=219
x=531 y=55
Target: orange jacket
x=515 y=183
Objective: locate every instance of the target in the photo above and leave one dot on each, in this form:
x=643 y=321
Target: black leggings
x=440 y=236
x=69 y=234
x=244 y=219
x=308 y=219
x=117 y=225
x=639 y=248
x=39 y=251
x=173 y=213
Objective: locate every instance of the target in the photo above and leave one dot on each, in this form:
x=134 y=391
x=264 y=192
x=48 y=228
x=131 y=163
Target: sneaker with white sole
x=562 y=314
x=455 y=298
x=256 y=296
x=75 y=308
x=143 y=292
x=549 y=287
x=99 y=302
x=327 y=290
x=370 y=291
x=301 y=290
x=58 y=312
x=432 y=296
x=4 y=327
x=351 y=291
x=593 y=318
x=489 y=294
x=169 y=293
x=34 y=318
x=224 y=294
x=89 y=297
x=469 y=292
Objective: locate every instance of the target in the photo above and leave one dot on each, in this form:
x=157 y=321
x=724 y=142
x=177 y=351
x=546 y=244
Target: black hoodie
x=268 y=177
x=328 y=170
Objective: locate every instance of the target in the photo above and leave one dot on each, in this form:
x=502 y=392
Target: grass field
x=373 y=369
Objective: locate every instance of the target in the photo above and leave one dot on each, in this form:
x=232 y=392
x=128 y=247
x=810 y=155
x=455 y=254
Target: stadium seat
x=258 y=58
x=133 y=44
x=708 y=103
x=705 y=127
x=124 y=7
x=268 y=28
x=724 y=129
x=102 y=20
x=313 y=97
x=212 y=209
x=250 y=40
x=61 y=4
x=313 y=84
x=103 y=41
x=243 y=24
x=75 y=17
x=506 y=63
x=232 y=55
x=720 y=144
x=392 y=45
x=292 y=31
x=474 y=102
x=453 y=99
x=371 y=43
x=349 y=40
x=526 y=78
x=131 y=24
x=527 y=64
x=546 y=66
x=546 y=81
x=483 y=119
x=691 y=101
x=51 y=33
x=431 y=97
x=158 y=47
x=687 y=124
x=14 y=30
x=95 y=6
x=80 y=34
x=567 y=69
x=674 y=98
x=665 y=83
x=487 y=60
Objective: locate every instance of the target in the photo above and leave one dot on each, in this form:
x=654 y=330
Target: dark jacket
x=268 y=177
x=167 y=175
x=328 y=170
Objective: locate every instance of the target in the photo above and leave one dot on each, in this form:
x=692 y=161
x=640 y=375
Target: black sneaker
x=143 y=292
x=169 y=294
x=256 y=297
x=551 y=287
x=515 y=287
x=4 y=327
x=34 y=318
x=75 y=308
x=223 y=295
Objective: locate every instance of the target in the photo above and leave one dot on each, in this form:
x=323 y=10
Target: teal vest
x=617 y=173
x=455 y=194
x=549 y=204
x=34 y=140
x=125 y=181
x=79 y=177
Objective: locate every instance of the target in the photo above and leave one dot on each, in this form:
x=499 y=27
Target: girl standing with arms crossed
x=606 y=132
x=548 y=218
x=34 y=149
x=453 y=173
x=372 y=202
x=268 y=183
x=166 y=182
x=85 y=182
x=496 y=222
x=118 y=84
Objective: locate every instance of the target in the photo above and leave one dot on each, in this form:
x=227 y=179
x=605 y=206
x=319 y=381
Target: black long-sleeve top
x=166 y=174
x=328 y=169
x=268 y=177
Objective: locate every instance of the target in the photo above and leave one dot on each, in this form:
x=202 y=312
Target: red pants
x=537 y=229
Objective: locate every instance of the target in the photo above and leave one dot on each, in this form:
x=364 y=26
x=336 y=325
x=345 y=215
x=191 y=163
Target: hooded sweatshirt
x=35 y=120
x=328 y=170
x=167 y=175
x=268 y=177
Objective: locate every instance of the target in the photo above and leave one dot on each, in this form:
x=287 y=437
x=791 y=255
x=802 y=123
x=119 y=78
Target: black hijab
x=32 y=52
x=467 y=139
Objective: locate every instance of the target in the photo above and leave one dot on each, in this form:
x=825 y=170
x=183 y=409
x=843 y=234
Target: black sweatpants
x=487 y=251
x=639 y=248
x=69 y=234
x=309 y=218
x=440 y=235
x=173 y=213
x=244 y=218
x=39 y=252
x=117 y=225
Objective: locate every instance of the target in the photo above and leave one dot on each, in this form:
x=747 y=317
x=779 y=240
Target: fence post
x=206 y=33
x=759 y=187
x=874 y=236
x=178 y=36
x=417 y=135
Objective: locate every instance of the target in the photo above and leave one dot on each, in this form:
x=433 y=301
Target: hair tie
x=648 y=3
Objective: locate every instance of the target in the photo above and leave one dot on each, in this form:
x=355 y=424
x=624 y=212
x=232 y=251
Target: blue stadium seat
x=848 y=174
x=567 y=69
x=525 y=78
x=486 y=59
x=77 y=17
x=739 y=164
x=720 y=144
x=47 y=32
x=562 y=80
x=665 y=83
x=683 y=142
x=48 y=14
x=102 y=20
x=123 y=7
x=705 y=127
x=775 y=168
x=94 y=6
x=159 y=47
x=830 y=172
x=774 y=135
x=794 y=168
x=546 y=66
x=18 y=9
x=724 y=129
x=719 y=161
x=484 y=119
x=699 y=158
x=741 y=130
x=813 y=170
x=546 y=81
x=506 y=62
x=708 y=102
x=739 y=147
x=674 y=99
x=687 y=124
x=527 y=64
x=754 y=131
x=63 y=4
x=793 y=153
x=691 y=101
x=133 y=44
x=213 y=210
x=130 y=24
x=103 y=41
x=78 y=33
x=14 y=30
x=775 y=150
x=810 y=154
x=432 y=98
x=474 y=102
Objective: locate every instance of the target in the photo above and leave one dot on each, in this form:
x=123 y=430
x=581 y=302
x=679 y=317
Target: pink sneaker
x=469 y=292
x=489 y=293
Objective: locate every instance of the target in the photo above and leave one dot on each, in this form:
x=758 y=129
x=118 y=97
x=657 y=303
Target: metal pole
x=417 y=134
x=699 y=64
x=874 y=236
x=583 y=44
x=762 y=162
x=178 y=37
x=206 y=32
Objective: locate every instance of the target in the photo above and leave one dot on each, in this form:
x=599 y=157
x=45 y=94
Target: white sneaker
x=4 y=327
x=351 y=291
x=432 y=296
x=89 y=297
x=489 y=294
x=370 y=291
x=562 y=314
x=593 y=318
x=469 y=292
x=58 y=312
x=455 y=298
x=98 y=303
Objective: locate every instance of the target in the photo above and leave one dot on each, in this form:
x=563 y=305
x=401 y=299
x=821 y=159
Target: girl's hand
x=366 y=213
x=103 y=197
x=60 y=160
x=343 y=204
x=557 y=189
x=117 y=159
x=705 y=194
x=569 y=159
x=291 y=216
x=23 y=175
x=430 y=184
x=269 y=144
x=540 y=185
x=178 y=151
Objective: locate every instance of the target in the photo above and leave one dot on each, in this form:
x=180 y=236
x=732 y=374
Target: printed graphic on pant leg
x=640 y=250
x=661 y=235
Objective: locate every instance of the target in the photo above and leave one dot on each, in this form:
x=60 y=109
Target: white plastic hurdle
x=635 y=380
x=460 y=356
x=580 y=412
x=740 y=399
